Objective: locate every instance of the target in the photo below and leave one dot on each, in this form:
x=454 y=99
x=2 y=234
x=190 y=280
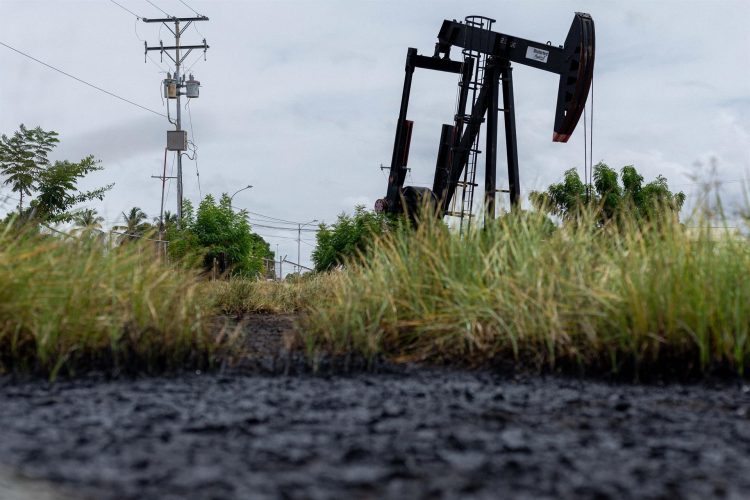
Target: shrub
x=217 y=232
x=348 y=237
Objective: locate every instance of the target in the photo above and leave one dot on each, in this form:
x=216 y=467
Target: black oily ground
x=421 y=433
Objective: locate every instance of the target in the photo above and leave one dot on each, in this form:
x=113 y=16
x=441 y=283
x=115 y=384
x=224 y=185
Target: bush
x=217 y=233
x=348 y=237
x=607 y=197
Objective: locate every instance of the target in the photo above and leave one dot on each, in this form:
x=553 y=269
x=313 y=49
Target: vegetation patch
x=349 y=237
x=631 y=295
x=239 y=296
x=75 y=304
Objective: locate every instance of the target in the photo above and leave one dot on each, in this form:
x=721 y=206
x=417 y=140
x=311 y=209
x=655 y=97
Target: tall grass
x=626 y=298
x=71 y=305
x=240 y=296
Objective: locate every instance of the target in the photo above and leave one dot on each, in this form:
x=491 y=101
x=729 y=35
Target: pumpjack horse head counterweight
x=484 y=70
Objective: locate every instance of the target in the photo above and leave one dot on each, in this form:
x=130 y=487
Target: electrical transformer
x=170 y=87
x=192 y=87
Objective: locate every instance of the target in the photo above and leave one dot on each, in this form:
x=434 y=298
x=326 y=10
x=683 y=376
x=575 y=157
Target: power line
x=273 y=219
x=165 y=13
x=195 y=149
x=276 y=236
x=198 y=31
x=153 y=61
x=126 y=9
x=82 y=81
x=7 y=196
x=295 y=229
x=135 y=29
x=189 y=7
x=194 y=61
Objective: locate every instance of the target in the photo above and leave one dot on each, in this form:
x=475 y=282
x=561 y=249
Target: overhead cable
x=112 y=94
x=189 y=7
x=126 y=9
x=304 y=230
x=195 y=149
x=165 y=12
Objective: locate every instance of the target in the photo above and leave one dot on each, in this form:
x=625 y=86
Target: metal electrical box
x=176 y=140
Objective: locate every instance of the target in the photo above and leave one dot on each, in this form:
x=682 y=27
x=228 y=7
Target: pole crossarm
x=173 y=19
x=173 y=47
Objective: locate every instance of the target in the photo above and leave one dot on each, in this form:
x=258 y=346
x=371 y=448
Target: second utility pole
x=177 y=141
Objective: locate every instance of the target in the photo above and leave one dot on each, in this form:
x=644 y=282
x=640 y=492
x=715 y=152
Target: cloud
x=300 y=98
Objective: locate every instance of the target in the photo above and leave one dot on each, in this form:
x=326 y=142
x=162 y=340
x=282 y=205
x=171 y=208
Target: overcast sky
x=300 y=98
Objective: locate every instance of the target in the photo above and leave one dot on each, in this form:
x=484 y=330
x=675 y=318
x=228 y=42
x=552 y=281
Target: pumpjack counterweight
x=486 y=74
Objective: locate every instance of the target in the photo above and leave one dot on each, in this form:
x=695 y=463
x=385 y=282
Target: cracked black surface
x=422 y=433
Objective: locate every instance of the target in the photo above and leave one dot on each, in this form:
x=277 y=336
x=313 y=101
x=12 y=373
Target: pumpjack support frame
x=573 y=61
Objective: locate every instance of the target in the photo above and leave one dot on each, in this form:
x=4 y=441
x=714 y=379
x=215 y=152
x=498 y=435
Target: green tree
x=348 y=236
x=88 y=219
x=169 y=219
x=606 y=195
x=135 y=225
x=27 y=169
x=23 y=157
x=58 y=189
x=215 y=232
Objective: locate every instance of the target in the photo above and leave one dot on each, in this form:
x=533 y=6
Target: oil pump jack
x=485 y=66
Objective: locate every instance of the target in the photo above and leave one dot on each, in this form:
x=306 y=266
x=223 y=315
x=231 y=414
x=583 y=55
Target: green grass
x=633 y=299
x=240 y=296
x=73 y=305
x=640 y=299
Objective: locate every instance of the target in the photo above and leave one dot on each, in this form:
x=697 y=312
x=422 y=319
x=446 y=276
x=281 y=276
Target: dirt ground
x=406 y=433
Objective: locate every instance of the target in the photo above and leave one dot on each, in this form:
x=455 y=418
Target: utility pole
x=163 y=177
x=177 y=139
x=299 y=243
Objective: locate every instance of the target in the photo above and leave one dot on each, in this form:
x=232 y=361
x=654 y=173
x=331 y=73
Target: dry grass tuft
x=243 y=296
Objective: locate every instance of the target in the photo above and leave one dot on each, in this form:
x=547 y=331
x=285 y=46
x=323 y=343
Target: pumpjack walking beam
x=573 y=61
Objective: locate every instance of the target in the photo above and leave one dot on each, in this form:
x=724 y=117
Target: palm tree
x=170 y=219
x=134 y=224
x=88 y=219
